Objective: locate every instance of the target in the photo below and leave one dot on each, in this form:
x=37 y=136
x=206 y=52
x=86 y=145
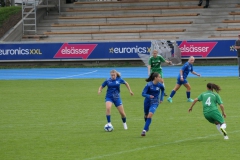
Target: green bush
x=6 y=12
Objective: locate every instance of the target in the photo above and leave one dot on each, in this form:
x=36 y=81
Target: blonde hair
x=114 y=71
x=154 y=51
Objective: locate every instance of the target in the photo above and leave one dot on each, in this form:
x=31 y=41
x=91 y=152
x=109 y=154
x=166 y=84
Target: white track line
x=154 y=146
x=77 y=75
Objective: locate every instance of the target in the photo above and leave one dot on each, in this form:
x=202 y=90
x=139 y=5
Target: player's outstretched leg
x=171 y=95
x=146 y=127
x=223 y=129
x=218 y=128
x=108 y=112
x=123 y=115
x=188 y=93
x=173 y=92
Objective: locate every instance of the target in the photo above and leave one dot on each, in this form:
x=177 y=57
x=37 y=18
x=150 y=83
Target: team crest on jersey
x=117 y=82
x=157 y=88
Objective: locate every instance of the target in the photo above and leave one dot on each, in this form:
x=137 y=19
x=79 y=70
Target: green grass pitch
x=64 y=120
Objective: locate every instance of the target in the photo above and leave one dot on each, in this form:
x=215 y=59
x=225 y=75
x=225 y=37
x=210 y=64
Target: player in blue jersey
x=113 y=95
x=182 y=79
x=153 y=97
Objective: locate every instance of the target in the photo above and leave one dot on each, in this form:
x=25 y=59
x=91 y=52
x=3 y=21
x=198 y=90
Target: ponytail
x=213 y=86
x=152 y=76
x=116 y=72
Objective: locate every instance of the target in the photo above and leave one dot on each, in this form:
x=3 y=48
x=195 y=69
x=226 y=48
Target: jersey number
x=208 y=101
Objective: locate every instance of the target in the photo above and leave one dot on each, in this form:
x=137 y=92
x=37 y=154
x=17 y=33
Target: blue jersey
x=154 y=90
x=113 y=90
x=186 y=68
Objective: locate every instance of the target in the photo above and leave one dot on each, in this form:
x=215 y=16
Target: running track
x=127 y=72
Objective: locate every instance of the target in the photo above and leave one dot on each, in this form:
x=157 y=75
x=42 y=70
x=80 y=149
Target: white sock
x=218 y=128
x=224 y=126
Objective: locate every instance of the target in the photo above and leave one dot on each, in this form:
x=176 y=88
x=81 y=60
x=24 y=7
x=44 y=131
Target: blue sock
x=188 y=94
x=124 y=119
x=108 y=118
x=147 y=124
x=172 y=93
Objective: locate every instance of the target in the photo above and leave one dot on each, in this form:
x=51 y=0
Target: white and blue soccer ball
x=108 y=128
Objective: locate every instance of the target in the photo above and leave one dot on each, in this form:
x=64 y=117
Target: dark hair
x=213 y=86
x=152 y=76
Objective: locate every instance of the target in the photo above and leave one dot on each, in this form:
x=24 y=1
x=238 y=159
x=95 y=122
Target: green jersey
x=209 y=101
x=155 y=63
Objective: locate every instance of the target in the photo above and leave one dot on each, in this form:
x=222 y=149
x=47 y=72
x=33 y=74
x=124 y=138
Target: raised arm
x=129 y=89
x=193 y=103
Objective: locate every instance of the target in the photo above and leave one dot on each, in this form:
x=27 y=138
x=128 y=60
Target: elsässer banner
x=109 y=50
x=208 y=49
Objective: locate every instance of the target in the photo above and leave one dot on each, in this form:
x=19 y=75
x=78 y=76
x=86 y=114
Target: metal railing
x=29 y=13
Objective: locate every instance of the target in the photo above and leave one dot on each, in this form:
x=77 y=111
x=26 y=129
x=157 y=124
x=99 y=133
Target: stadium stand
x=141 y=20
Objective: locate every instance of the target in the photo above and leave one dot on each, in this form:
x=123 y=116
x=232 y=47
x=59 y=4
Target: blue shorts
x=182 y=82
x=116 y=101
x=150 y=107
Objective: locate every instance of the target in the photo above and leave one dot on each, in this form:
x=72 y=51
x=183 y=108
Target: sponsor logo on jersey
x=75 y=51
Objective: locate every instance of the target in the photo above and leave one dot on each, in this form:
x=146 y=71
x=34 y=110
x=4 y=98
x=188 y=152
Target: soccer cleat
x=190 y=100
x=143 y=133
x=125 y=126
x=226 y=137
x=223 y=131
x=169 y=99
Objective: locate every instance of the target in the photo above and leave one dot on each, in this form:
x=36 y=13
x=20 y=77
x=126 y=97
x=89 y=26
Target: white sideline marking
x=153 y=146
x=76 y=75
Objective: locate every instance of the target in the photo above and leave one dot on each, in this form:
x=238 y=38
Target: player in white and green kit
x=210 y=100
x=154 y=64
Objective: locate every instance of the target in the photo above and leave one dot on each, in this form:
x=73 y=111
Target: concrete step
x=209 y=11
x=192 y=2
x=188 y=27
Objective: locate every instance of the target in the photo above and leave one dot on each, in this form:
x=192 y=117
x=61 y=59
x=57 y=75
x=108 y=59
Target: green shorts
x=214 y=116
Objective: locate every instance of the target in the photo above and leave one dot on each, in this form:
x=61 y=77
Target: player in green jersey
x=154 y=64
x=210 y=100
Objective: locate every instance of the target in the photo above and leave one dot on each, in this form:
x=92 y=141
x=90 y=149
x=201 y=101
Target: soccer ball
x=108 y=128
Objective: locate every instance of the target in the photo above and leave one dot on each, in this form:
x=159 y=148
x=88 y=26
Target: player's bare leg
x=187 y=85
x=123 y=115
x=108 y=111
x=177 y=86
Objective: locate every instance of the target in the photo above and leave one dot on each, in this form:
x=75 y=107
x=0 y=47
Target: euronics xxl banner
x=109 y=50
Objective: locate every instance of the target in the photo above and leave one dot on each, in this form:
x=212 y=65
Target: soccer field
x=64 y=120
